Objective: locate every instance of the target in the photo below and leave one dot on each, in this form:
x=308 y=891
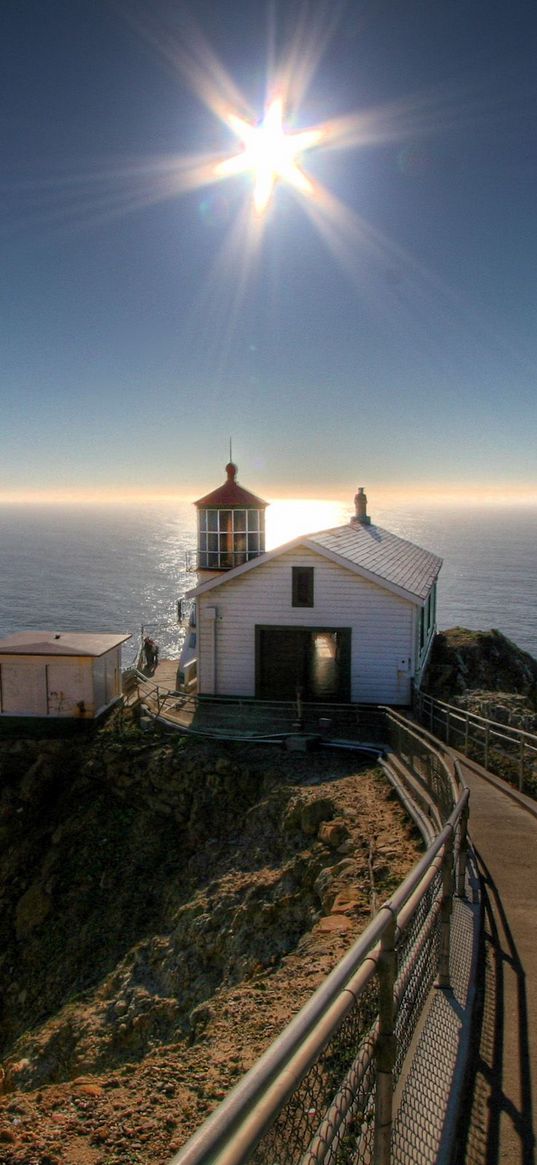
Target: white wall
x=382 y=624
x=44 y=686
x=69 y=682
x=23 y=687
x=99 y=681
x=49 y=686
x=423 y=649
x=106 y=680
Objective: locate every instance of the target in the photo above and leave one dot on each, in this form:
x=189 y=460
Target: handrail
x=251 y=1111
x=463 y=713
x=277 y=1056
x=280 y=716
x=509 y=752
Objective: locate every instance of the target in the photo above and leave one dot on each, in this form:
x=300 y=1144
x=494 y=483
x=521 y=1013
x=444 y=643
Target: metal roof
x=387 y=556
x=231 y=494
x=374 y=553
x=93 y=643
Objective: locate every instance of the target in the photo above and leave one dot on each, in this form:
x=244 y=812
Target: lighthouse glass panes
x=228 y=538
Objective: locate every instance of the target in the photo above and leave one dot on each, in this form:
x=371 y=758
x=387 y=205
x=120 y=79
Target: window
x=228 y=538
x=302 y=586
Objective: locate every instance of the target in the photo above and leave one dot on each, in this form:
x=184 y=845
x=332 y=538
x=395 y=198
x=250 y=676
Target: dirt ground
x=124 y=1070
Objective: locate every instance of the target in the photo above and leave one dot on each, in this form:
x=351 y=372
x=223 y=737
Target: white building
x=60 y=673
x=347 y=614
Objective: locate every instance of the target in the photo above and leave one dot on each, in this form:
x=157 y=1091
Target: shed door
x=65 y=688
x=24 y=689
x=314 y=660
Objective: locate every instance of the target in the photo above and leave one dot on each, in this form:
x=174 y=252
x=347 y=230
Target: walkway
x=244 y=719
x=502 y=1090
x=498 y=1125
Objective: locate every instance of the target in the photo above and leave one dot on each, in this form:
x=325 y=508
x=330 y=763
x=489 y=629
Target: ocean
x=121 y=567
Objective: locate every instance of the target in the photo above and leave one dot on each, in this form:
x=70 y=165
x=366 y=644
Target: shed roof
x=368 y=550
x=231 y=494
x=91 y=643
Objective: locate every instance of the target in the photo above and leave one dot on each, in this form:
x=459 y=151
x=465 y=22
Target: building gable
x=390 y=562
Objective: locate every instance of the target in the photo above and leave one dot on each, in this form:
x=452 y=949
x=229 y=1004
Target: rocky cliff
x=486 y=673
x=166 y=906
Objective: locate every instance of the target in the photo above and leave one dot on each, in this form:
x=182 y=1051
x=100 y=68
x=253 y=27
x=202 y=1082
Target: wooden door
x=315 y=660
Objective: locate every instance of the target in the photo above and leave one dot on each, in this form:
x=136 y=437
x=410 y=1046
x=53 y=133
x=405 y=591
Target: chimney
x=360 y=509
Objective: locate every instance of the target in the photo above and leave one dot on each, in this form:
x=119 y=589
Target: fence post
x=466 y=732
x=385 y=1049
x=521 y=764
x=448 y=714
x=443 y=978
x=462 y=854
x=431 y=714
x=487 y=745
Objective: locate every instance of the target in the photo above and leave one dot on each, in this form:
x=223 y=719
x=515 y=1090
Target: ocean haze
x=114 y=568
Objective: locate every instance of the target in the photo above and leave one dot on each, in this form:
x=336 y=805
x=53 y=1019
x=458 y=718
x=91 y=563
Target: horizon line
x=399 y=494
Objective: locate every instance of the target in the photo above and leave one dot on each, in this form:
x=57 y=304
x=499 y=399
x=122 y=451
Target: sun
x=270 y=153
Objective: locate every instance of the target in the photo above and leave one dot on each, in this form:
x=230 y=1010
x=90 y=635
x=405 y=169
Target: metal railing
x=508 y=752
x=322 y=1094
x=226 y=717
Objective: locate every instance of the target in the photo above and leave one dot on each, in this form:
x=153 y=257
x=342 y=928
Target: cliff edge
x=486 y=673
x=166 y=906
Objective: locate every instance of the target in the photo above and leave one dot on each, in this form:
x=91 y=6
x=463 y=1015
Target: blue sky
x=391 y=340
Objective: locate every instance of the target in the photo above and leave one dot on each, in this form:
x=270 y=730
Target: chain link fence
x=323 y=1093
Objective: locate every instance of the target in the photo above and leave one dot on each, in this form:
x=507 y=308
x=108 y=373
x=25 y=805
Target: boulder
x=32 y=909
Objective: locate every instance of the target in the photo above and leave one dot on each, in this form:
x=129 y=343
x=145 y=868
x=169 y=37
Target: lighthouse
x=231 y=527
x=231 y=531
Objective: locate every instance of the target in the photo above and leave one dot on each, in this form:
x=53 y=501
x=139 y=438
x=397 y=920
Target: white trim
x=315 y=548
x=236 y=571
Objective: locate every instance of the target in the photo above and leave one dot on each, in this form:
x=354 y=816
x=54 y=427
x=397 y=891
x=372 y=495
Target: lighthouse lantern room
x=231 y=526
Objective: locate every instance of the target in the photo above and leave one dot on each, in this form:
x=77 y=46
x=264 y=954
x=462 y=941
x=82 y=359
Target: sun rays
x=270 y=154
x=248 y=162
x=272 y=144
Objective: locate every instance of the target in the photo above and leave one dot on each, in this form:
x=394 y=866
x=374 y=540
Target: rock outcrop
x=166 y=906
x=486 y=673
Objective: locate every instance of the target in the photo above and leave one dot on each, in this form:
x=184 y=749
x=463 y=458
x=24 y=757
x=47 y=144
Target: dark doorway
x=314 y=660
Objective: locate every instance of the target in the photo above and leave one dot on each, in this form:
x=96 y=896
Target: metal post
x=521 y=764
x=466 y=732
x=443 y=979
x=462 y=856
x=428 y=771
x=385 y=1049
x=448 y=714
x=487 y=745
x=399 y=739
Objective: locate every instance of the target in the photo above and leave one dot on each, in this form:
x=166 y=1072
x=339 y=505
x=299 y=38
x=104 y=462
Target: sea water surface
x=118 y=567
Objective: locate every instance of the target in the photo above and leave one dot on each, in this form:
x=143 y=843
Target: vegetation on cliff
x=486 y=673
x=167 y=905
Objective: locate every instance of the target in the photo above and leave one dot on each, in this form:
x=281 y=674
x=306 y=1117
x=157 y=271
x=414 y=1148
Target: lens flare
x=270 y=153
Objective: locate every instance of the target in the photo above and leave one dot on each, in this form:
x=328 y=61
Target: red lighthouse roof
x=231 y=494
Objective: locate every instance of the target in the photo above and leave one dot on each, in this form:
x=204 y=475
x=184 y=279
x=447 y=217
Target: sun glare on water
x=296 y=516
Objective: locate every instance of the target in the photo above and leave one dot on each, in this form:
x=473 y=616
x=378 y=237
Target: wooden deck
x=245 y=718
x=165 y=674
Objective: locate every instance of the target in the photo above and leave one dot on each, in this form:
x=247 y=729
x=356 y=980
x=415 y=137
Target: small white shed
x=343 y=615
x=69 y=674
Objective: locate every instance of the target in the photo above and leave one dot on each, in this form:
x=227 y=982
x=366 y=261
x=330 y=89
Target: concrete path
x=502 y=1092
